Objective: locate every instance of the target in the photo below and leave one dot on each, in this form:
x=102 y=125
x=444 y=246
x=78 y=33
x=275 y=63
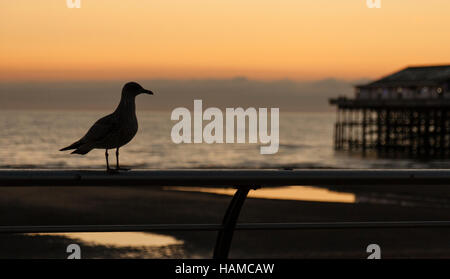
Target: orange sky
x=262 y=39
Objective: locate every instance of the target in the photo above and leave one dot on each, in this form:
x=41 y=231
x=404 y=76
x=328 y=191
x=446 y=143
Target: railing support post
x=225 y=235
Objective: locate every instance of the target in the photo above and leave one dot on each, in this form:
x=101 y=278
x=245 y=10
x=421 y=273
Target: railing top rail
x=217 y=227
x=225 y=178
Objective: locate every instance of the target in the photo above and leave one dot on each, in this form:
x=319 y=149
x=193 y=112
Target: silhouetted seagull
x=114 y=130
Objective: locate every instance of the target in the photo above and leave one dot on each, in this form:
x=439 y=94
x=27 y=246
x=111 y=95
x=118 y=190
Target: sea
x=32 y=139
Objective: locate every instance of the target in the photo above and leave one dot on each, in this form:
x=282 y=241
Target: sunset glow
x=296 y=39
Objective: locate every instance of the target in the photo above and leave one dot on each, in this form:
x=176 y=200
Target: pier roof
x=413 y=76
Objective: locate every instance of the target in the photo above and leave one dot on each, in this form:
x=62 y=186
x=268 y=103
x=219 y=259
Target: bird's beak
x=147 y=92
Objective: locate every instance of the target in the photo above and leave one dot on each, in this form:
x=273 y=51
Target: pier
x=406 y=113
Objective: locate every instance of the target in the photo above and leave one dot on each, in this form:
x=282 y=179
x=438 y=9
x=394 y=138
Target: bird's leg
x=117 y=162
x=108 y=169
x=107 y=162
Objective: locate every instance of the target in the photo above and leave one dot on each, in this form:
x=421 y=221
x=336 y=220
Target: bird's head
x=134 y=89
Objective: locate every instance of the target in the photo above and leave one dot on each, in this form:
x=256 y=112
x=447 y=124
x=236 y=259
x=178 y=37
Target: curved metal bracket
x=225 y=235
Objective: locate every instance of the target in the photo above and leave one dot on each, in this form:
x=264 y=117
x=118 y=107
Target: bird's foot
x=122 y=169
x=112 y=171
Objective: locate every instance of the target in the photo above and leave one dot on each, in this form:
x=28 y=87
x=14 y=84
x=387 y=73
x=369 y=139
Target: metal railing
x=242 y=180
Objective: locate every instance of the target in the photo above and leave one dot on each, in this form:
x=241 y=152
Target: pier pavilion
x=407 y=112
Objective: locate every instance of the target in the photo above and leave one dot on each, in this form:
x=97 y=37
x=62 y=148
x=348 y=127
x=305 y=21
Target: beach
x=137 y=205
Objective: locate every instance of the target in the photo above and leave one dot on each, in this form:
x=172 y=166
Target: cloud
x=288 y=95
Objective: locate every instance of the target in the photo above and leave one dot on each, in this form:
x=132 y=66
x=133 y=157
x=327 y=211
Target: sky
x=298 y=40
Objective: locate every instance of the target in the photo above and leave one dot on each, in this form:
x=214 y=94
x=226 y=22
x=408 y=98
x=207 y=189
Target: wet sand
x=98 y=205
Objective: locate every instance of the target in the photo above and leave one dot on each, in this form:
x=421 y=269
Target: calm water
x=31 y=139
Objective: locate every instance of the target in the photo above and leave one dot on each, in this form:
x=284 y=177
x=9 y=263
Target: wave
x=295 y=146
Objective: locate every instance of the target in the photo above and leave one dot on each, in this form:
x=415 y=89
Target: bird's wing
x=101 y=129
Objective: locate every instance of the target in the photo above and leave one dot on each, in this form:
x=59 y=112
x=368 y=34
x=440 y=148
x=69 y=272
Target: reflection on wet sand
x=298 y=193
x=120 y=239
x=145 y=241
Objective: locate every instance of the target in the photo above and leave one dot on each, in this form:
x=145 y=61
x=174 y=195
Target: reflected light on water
x=298 y=193
x=120 y=239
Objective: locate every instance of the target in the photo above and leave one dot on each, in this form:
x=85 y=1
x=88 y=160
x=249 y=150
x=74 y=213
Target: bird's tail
x=83 y=149
x=74 y=145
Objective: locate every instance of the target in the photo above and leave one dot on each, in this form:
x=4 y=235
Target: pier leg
x=442 y=145
x=350 y=132
x=337 y=129
x=387 y=134
x=411 y=133
x=364 y=128
x=379 y=132
x=223 y=242
x=418 y=136
x=427 y=134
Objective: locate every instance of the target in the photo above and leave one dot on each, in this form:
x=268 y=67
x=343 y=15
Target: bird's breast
x=128 y=130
